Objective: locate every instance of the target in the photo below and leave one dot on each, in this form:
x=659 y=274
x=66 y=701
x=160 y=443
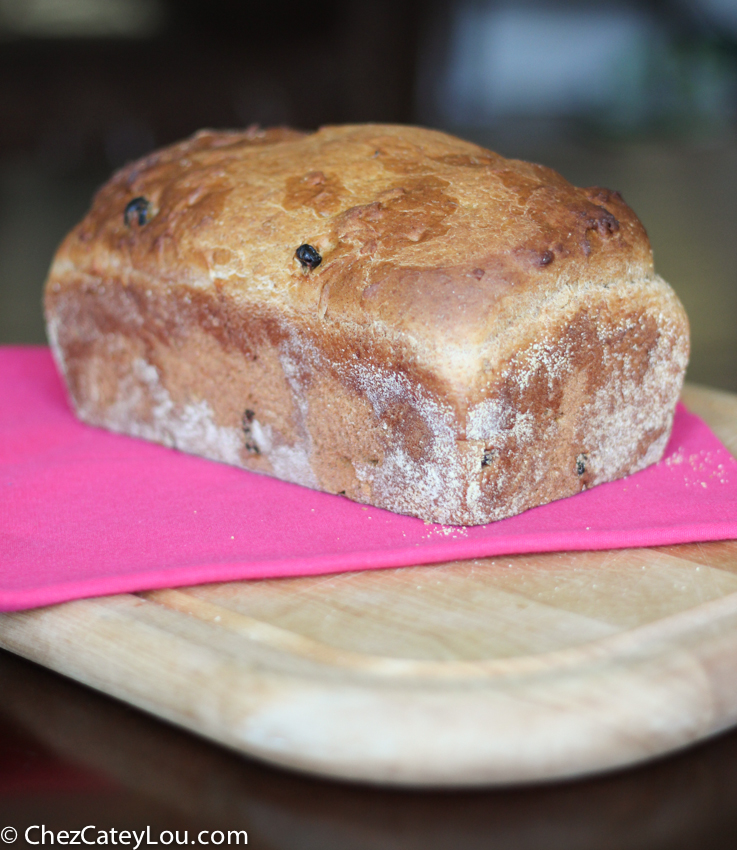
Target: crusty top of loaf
x=422 y=235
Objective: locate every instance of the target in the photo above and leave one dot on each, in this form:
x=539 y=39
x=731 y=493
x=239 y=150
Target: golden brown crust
x=475 y=325
x=385 y=206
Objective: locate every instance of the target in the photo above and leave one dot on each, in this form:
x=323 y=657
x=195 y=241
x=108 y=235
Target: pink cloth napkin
x=84 y=512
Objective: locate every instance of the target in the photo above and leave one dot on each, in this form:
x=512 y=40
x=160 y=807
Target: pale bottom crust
x=590 y=401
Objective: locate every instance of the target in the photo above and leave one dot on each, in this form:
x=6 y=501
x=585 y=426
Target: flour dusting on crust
x=188 y=427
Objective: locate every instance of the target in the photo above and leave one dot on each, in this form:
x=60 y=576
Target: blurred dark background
x=637 y=96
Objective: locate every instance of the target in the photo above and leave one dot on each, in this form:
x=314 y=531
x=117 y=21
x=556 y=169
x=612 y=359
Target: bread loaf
x=387 y=313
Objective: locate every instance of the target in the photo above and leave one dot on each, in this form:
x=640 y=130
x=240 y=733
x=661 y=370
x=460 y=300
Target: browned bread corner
x=461 y=336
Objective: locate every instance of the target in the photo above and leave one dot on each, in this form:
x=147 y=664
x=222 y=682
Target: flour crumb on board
x=444 y=531
x=697 y=466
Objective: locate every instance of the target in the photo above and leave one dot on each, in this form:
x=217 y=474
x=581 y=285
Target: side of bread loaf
x=472 y=336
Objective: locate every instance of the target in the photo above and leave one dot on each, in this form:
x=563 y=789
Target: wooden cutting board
x=473 y=672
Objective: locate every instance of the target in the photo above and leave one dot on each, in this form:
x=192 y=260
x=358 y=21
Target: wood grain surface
x=489 y=671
